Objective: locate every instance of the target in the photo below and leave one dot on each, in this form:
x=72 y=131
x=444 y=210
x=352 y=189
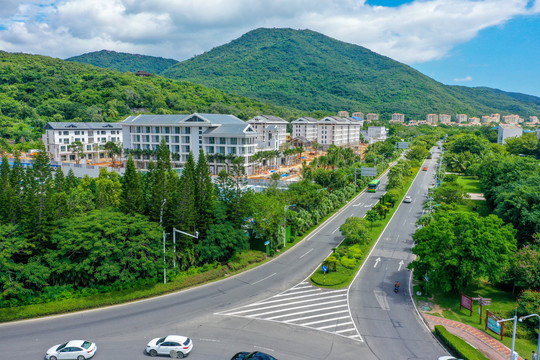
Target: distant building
x=141 y=73
x=339 y=131
x=372 y=117
x=375 y=134
x=343 y=114
x=533 y=119
x=432 y=119
x=461 y=118
x=305 y=127
x=506 y=131
x=358 y=114
x=474 y=120
x=398 y=117
x=444 y=118
x=486 y=119
x=59 y=135
x=511 y=119
x=496 y=118
x=272 y=131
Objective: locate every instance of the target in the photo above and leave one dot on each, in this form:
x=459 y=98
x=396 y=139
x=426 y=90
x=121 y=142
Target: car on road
x=73 y=349
x=257 y=355
x=424 y=168
x=180 y=345
x=407 y=199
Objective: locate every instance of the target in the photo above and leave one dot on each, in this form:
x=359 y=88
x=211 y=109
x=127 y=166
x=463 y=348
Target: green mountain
x=310 y=71
x=37 y=89
x=125 y=62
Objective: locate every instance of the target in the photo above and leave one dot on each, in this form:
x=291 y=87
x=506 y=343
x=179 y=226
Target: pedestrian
x=534 y=355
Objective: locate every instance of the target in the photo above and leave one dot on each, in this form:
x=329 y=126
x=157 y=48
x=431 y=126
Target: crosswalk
x=307 y=306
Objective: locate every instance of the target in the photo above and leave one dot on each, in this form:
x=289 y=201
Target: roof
x=82 y=126
x=176 y=338
x=336 y=120
x=182 y=118
x=230 y=129
x=305 y=119
x=267 y=119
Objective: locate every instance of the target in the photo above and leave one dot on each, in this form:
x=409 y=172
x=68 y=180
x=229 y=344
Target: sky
x=493 y=43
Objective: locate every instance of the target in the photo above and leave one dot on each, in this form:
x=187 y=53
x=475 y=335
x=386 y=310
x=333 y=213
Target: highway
x=270 y=308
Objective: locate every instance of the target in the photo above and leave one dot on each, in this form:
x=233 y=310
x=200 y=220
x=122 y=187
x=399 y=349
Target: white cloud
x=415 y=32
x=465 y=79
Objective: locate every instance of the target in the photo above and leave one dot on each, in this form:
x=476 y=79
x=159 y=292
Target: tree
x=527 y=144
x=417 y=153
x=131 y=198
x=354 y=231
x=449 y=193
x=108 y=189
x=372 y=216
x=525 y=269
x=5 y=192
x=459 y=247
x=204 y=194
x=77 y=149
x=113 y=150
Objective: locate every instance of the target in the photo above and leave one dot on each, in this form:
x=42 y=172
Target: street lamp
x=164 y=260
x=175 y=230
x=285 y=223
x=538 y=343
x=514 y=319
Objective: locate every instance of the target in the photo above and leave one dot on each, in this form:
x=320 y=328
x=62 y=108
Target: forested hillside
x=37 y=89
x=124 y=62
x=310 y=71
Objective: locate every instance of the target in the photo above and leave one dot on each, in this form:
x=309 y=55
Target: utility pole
x=175 y=230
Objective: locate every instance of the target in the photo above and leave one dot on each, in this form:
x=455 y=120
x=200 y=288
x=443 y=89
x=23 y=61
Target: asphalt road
x=291 y=319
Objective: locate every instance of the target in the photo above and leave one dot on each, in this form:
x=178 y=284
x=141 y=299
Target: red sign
x=466 y=302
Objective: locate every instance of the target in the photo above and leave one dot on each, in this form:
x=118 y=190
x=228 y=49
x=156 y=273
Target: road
x=269 y=308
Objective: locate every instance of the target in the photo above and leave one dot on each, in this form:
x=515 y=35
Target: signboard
x=485 y=301
x=325 y=268
x=368 y=171
x=466 y=302
x=402 y=145
x=493 y=325
x=266 y=243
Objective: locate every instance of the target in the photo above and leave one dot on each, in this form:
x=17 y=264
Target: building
x=306 y=128
x=474 y=120
x=398 y=117
x=486 y=119
x=215 y=134
x=357 y=114
x=343 y=114
x=339 y=131
x=506 y=131
x=372 y=117
x=511 y=119
x=432 y=119
x=533 y=119
x=375 y=133
x=496 y=118
x=445 y=118
x=272 y=131
x=461 y=118
x=59 y=136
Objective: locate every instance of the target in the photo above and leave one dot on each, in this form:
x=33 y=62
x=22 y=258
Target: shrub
x=457 y=345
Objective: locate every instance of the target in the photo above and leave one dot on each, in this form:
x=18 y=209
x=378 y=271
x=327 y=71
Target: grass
x=343 y=276
x=470 y=184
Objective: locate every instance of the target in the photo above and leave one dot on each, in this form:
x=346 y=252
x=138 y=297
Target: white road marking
x=359 y=204
x=335 y=230
x=210 y=340
x=380 y=296
x=306 y=253
x=377 y=262
x=312 y=316
x=400 y=265
x=264 y=348
x=326 y=320
x=268 y=277
x=335 y=325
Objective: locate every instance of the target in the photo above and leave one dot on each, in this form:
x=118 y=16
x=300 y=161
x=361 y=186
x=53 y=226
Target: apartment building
x=398 y=117
x=372 y=117
x=374 y=134
x=358 y=114
x=506 y=131
x=272 y=131
x=216 y=134
x=305 y=127
x=343 y=113
x=339 y=131
x=496 y=118
x=445 y=118
x=461 y=118
x=511 y=119
x=59 y=136
x=533 y=119
x=432 y=119
x=474 y=120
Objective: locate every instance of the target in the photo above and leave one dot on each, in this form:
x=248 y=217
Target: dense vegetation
x=124 y=62
x=35 y=90
x=307 y=70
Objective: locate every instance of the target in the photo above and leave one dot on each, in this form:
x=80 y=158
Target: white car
x=166 y=345
x=407 y=199
x=73 y=349
x=448 y=358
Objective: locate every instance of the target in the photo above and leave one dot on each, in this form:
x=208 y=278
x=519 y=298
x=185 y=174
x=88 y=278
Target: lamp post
x=285 y=223
x=514 y=319
x=538 y=342
x=175 y=230
x=164 y=260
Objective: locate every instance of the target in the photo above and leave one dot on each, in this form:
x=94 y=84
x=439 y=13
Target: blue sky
x=491 y=43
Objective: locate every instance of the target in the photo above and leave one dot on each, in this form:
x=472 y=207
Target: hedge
x=458 y=346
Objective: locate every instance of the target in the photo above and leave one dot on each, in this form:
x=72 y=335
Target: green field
x=470 y=184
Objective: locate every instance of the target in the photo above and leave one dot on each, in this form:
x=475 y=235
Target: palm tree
x=113 y=150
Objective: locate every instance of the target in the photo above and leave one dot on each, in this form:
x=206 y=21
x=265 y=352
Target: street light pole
x=164 y=260
x=175 y=230
x=513 y=334
x=538 y=342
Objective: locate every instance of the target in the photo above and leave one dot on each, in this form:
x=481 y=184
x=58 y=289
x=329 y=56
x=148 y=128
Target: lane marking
x=306 y=253
x=400 y=265
x=335 y=230
x=377 y=262
x=381 y=298
x=268 y=277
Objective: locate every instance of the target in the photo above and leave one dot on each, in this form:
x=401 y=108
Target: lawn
x=470 y=184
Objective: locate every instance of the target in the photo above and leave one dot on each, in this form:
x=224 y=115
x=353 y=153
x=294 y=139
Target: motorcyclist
x=396 y=286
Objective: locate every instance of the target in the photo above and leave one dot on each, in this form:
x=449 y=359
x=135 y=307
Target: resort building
x=461 y=118
x=306 y=128
x=432 y=119
x=444 y=118
x=59 y=136
x=372 y=117
x=506 y=131
x=272 y=131
x=339 y=131
x=398 y=117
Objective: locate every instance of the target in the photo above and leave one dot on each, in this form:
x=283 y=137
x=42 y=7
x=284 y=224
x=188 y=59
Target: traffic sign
x=266 y=242
x=325 y=268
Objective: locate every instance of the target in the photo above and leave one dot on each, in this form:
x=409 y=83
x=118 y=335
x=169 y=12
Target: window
x=138 y=129
x=66 y=132
x=167 y=130
x=243 y=141
x=155 y=138
x=185 y=148
x=234 y=141
x=62 y=148
x=209 y=149
x=177 y=130
x=147 y=130
x=66 y=141
x=146 y=138
x=232 y=150
x=222 y=140
x=221 y=150
x=88 y=147
x=166 y=139
x=176 y=139
x=185 y=139
x=211 y=140
x=156 y=129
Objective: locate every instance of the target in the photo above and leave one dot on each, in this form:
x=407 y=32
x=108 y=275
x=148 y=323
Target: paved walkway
x=492 y=348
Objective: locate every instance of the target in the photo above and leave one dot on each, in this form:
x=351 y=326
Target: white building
x=511 y=119
x=59 y=135
x=305 y=127
x=461 y=118
x=372 y=117
x=339 y=131
x=216 y=134
x=445 y=118
x=272 y=131
x=374 y=134
x=474 y=120
x=432 y=119
x=506 y=131
x=357 y=114
x=398 y=117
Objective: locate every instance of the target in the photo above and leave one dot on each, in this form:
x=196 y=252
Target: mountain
x=125 y=62
x=37 y=89
x=306 y=70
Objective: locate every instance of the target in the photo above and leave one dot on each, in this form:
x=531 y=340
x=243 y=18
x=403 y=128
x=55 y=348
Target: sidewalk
x=493 y=349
